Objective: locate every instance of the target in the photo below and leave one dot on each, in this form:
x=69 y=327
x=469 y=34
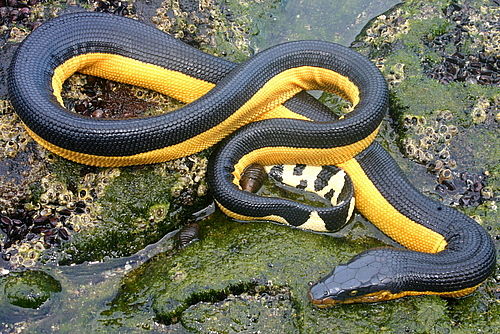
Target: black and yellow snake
x=260 y=104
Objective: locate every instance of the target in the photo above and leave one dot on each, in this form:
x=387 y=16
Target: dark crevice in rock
x=172 y=310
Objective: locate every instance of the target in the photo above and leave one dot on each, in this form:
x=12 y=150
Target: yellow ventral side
x=372 y=205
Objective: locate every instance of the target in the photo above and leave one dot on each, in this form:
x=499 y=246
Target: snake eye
x=353 y=292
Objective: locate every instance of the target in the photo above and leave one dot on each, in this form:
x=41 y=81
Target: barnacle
x=410 y=149
x=479 y=111
x=84 y=194
x=438 y=165
x=487 y=192
x=429 y=131
x=478 y=115
x=396 y=75
x=445 y=115
x=13 y=137
x=451 y=164
x=386 y=29
x=445 y=174
x=158 y=212
x=17 y=34
x=425 y=142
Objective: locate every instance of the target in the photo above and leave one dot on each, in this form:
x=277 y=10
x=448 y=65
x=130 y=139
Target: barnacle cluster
x=191 y=177
x=482 y=24
x=11 y=194
x=469 y=46
x=485 y=109
x=205 y=24
x=117 y=7
x=19 y=17
x=99 y=98
x=386 y=29
x=26 y=254
x=49 y=219
x=428 y=141
x=91 y=188
x=396 y=74
x=13 y=138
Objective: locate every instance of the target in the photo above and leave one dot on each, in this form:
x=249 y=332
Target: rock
x=30 y=289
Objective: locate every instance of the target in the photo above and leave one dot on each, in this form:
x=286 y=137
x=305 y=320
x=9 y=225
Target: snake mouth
x=319 y=297
x=321 y=302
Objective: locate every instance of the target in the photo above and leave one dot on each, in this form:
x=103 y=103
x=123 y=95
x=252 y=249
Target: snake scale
x=262 y=116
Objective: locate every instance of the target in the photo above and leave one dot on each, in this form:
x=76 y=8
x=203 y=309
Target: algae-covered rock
x=442 y=72
x=135 y=210
x=244 y=276
x=30 y=289
x=265 y=311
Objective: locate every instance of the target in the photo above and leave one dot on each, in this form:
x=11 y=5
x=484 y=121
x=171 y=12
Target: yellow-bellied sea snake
x=260 y=105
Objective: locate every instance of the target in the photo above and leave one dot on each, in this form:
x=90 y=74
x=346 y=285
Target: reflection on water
x=330 y=20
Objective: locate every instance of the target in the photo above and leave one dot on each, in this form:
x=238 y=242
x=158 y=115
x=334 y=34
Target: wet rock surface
x=29 y=289
x=441 y=63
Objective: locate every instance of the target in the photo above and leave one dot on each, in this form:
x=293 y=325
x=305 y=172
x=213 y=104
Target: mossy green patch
x=233 y=258
x=265 y=311
x=424 y=31
x=136 y=211
x=246 y=265
x=422 y=96
x=30 y=289
x=134 y=194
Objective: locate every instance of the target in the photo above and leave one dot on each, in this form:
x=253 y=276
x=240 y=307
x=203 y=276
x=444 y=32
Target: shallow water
x=334 y=21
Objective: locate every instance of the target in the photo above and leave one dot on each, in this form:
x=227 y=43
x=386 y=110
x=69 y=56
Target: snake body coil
x=448 y=253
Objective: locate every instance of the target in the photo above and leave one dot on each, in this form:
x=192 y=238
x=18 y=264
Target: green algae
x=266 y=311
x=29 y=289
x=232 y=259
x=239 y=272
x=137 y=213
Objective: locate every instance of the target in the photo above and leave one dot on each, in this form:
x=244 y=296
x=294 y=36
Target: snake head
x=369 y=277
